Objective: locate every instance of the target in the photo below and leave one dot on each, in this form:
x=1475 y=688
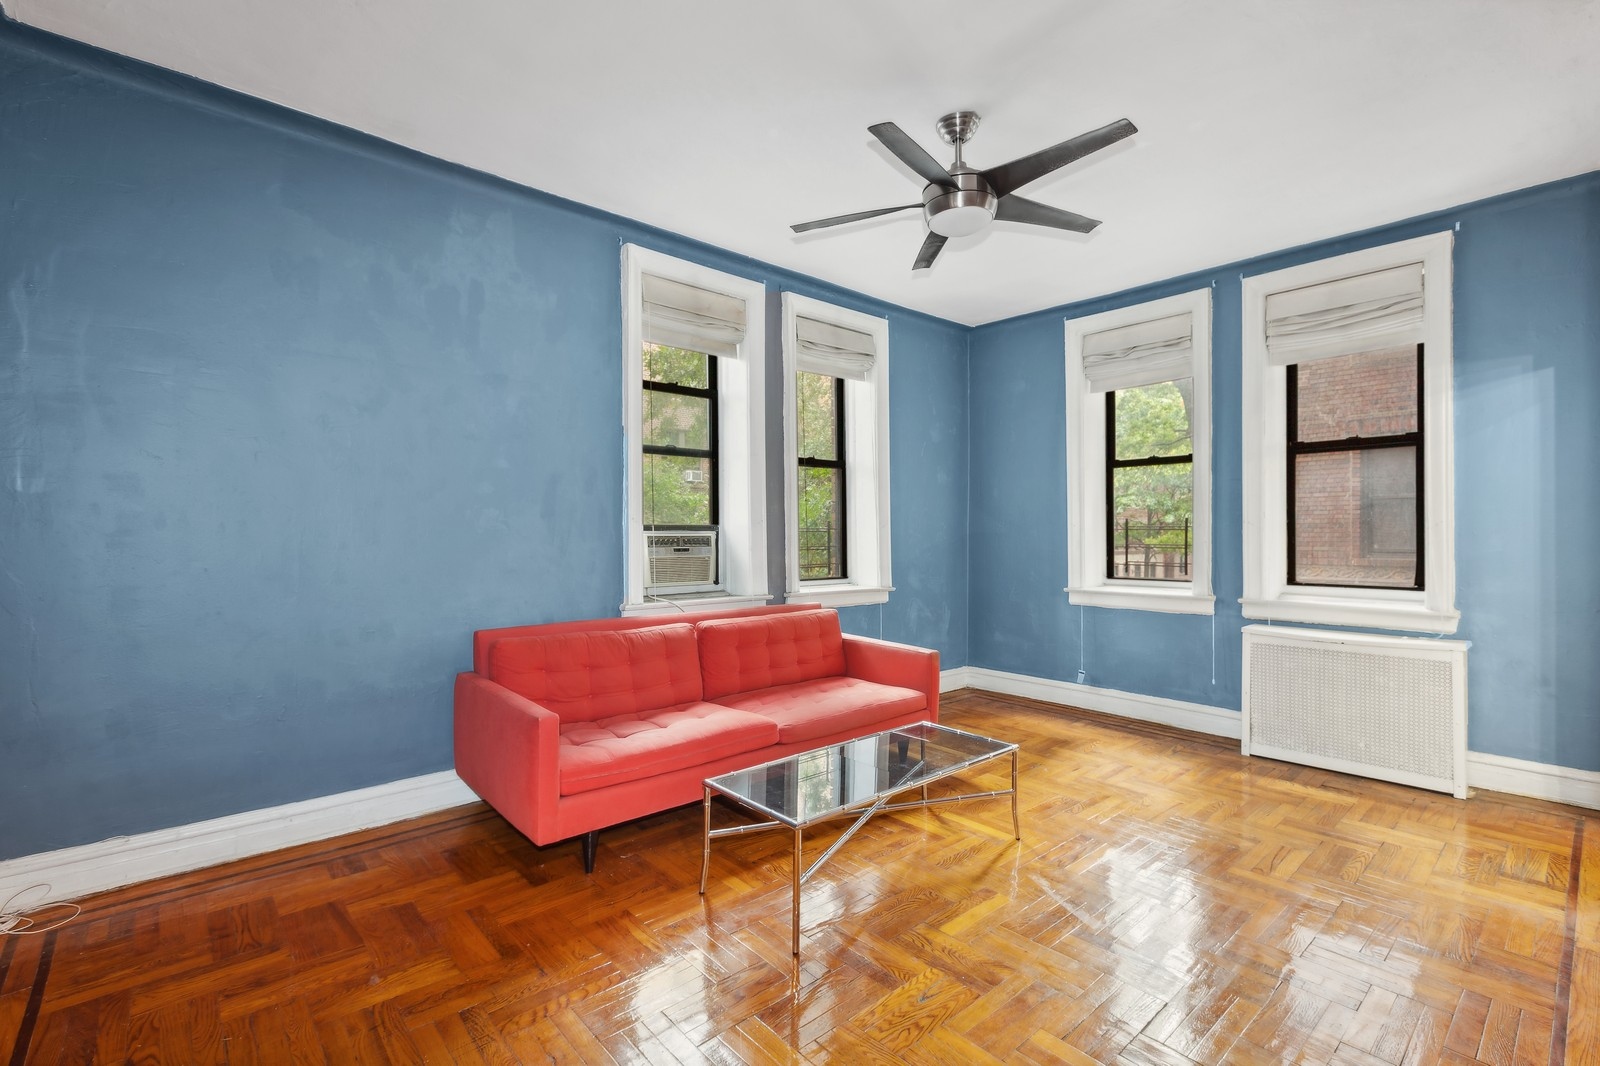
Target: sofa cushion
x=743 y=654
x=811 y=709
x=609 y=751
x=585 y=676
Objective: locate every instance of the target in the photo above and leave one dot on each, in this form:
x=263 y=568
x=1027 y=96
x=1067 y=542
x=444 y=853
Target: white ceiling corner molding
x=1211 y=177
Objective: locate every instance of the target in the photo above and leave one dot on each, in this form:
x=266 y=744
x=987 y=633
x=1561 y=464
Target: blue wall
x=928 y=444
x=1527 y=393
x=286 y=413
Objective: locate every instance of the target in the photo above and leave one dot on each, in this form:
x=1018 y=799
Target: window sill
x=1142 y=598
x=840 y=595
x=695 y=601
x=1370 y=614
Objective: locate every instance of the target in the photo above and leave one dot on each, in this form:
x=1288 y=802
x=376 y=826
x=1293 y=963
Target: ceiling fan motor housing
x=963 y=210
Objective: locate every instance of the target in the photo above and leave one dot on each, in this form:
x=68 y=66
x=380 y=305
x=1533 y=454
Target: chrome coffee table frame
x=917 y=773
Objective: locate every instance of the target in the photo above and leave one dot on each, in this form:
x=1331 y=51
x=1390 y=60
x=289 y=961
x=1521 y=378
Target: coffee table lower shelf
x=860 y=775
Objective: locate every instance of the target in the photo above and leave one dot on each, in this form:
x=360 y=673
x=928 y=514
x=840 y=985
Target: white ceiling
x=1262 y=123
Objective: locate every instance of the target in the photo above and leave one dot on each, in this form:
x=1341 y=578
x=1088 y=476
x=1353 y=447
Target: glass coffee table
x=857 y=775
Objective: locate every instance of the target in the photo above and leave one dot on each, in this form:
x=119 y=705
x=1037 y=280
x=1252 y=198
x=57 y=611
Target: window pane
x=1355 y=518
x=1389 y=503
x=821 y=523
x=1152 y=536
x=677 y=490
x=675 y=421
x=677 y=366
x=1370 y=394
x=815 y=416
x=1153 y=420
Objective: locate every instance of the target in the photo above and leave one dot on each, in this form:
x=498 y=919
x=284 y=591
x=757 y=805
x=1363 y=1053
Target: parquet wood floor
x=1171 y=902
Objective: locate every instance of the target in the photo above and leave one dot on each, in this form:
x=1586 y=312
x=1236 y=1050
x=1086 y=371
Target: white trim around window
x=1088 y=583
x=866 y=400
x=1267 y=593
x=741 y=429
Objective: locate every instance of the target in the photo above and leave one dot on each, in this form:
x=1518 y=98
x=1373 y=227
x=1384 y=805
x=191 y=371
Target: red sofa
x=570 y=727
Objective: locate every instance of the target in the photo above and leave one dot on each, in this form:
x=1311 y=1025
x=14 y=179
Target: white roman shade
x=823 y=348
x=1363 y=313
x=1144 y=353
x=686 y=316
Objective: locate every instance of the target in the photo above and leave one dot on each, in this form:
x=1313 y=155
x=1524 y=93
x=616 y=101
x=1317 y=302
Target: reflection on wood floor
x=1170 y=902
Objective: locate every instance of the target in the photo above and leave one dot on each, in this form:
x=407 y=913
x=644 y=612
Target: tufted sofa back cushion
x=586 y=676
x=484 y=639
x=740 y=654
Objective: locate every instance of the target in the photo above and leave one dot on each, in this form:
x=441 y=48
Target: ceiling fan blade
x=1013 y=208
x=839 y=220
x=1017 y=173
x=929 y=252
x=912 y=154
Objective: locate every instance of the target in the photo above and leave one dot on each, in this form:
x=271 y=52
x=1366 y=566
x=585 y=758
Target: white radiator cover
x=1391 y=708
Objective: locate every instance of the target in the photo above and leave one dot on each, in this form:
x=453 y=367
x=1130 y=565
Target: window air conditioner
x=681 y=561
x=695 y=477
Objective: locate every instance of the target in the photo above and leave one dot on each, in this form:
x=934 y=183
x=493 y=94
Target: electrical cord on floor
x=19 y=921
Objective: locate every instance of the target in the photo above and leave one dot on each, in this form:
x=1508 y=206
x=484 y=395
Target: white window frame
x=741 y=438
x=866 y=432
x=1267 y=593
x=1087 y=581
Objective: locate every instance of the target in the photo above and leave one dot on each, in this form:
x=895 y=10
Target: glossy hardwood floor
x=1170 y=902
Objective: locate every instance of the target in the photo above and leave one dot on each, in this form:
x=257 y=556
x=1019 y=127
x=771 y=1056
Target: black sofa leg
x=591 y=840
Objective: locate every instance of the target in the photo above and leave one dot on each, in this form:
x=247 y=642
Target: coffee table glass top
x=806 y=788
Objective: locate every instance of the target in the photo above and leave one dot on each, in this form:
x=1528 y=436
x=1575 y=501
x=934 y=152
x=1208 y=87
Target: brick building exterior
x=1355 y=515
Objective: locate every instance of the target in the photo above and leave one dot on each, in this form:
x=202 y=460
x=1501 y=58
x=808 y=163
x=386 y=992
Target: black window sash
x=709 y=393
x=1113 y=464
x=1297 y=447
x=836 y=463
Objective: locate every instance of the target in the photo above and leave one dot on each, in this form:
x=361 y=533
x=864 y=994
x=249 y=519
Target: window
x=679 y=435
x=1355 y=459
x=1139 y=456
x=1150 y=472
x=819 y=423
x=836 y=434
x=1347 y=444
x=693 y=357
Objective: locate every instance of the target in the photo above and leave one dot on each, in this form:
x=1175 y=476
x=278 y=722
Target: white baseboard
x=1195 y=717
x=80 y=871
x=1540 y=780
x=1496 y=773
x=954 y=678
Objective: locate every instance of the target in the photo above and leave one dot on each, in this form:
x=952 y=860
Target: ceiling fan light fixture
x=960 y=221
x=962 y=211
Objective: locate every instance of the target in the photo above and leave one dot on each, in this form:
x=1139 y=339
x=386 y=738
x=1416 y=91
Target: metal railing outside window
x=1152 y=551
x=820 y=552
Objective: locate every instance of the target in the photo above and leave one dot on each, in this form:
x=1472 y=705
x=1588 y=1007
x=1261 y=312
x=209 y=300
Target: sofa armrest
x=888 y=663
x=507 y=752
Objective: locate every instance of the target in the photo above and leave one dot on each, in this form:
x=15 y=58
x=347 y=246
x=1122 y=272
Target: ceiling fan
x=961 y=201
